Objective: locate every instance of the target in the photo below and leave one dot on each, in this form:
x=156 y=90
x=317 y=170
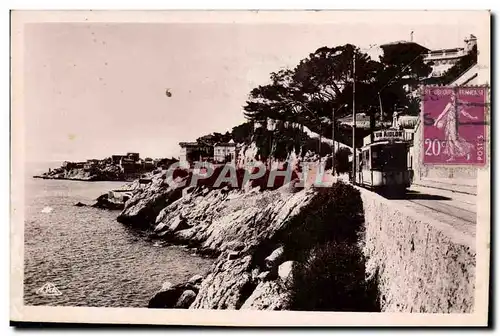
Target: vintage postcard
x=250 y=168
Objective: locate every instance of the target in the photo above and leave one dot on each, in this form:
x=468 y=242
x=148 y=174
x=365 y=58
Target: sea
x=81 y=256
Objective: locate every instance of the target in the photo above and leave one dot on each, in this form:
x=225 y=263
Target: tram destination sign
x=389 y=134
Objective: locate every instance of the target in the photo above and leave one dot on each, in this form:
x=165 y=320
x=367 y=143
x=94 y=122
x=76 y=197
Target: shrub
x=333 y=214
x=328 y=163
x=323 y=238
x=342 y=164
x=342 y=160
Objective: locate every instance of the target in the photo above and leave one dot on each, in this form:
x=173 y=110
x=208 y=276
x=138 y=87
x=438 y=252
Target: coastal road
x=453 y=208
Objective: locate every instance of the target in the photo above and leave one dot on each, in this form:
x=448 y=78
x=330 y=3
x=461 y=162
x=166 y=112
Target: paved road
x=455 y=209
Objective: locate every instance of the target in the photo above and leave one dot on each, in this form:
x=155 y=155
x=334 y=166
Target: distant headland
x=114 y=168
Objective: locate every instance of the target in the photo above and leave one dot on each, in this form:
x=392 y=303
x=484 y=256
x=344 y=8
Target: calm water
x=91 y=258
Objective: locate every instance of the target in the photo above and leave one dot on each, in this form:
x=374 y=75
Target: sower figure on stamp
x=456 y=146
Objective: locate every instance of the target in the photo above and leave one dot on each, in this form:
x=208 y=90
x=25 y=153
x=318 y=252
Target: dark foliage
x=315 y=146
x=333 y=214
x=322 y=83
x=341 y=161
x=333 y=279
x=263 y=141
x=242 y=133
x=213 y=138
x=323 y=238
x=279 y=143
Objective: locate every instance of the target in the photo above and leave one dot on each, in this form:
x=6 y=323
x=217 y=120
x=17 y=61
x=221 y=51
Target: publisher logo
x=49 y=289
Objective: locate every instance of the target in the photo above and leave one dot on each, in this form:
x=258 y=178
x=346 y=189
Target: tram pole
x=333 y=143
x=354 y=117
x=381 y=110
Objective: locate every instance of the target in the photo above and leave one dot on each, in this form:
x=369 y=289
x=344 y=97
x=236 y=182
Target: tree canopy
x=323 y=83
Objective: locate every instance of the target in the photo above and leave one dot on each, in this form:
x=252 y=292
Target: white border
x=229 y=317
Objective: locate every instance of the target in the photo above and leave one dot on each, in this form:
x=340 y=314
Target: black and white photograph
x=250 y=168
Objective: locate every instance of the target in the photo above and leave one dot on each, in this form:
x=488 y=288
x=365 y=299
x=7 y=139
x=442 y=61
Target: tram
x=383 y=163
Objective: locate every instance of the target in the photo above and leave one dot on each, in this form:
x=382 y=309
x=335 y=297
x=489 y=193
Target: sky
x=96 y=89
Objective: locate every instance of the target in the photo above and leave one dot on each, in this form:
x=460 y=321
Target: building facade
x=225 y=152
x=116 y=159
x=443 y=59
x=193 y=151
x=133 y=156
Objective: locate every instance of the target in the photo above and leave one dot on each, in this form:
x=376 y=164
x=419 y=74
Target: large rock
x=275 y=258
x=195 y=279
x=145 y=205
x=104 y=202
x=167 y=298
x=228 y=286
x=235 y=227
x=166 y=286
x=270 y=295
x=285 y=271
x=176 y=296
x=179 y=223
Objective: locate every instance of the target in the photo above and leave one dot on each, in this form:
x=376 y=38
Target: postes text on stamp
x=454 y=125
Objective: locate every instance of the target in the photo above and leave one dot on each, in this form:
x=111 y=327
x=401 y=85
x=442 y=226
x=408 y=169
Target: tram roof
x=385 y=142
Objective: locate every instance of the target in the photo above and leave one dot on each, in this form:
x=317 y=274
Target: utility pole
x=319 y=143
x=354 y=117
x=333 y=144
x=381 y=110
x=333 y=137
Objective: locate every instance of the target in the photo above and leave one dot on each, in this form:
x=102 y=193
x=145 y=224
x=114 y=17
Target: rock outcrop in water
x=109 y=203
x=239 y=227
x=143 y=207
x=177 y=296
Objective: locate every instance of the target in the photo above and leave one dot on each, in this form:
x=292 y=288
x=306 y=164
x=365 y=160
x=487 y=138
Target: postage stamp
x=454 y=125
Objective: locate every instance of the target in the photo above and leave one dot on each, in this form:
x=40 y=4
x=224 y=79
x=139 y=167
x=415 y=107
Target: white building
x=225 y=151
x=443 y=59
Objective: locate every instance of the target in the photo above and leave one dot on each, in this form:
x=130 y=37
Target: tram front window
x=389 y=157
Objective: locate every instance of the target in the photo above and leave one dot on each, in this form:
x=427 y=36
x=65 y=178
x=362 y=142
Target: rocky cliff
x=325 y=249
x=239 y=227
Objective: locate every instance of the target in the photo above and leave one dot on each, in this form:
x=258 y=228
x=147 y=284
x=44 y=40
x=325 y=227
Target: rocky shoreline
x=236 y=227
x=243 y=229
